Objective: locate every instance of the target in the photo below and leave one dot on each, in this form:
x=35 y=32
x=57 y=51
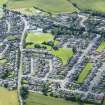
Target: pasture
x=53 y=6
x=95 y=5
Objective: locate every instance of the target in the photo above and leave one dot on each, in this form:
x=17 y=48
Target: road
x=83 y=19
x=26 y=26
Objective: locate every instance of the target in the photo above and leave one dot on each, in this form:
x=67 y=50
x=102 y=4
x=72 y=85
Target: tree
x=24 y=92
x=45 y=89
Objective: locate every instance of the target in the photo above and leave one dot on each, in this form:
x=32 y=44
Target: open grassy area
x=53 y=6
x=37 y=99
x=101 y=47
x=3 y=61
x=64 y=54
x=39 y=38
x=95 y=5
x=8 y=97
x=3 y=1
x=85 y=72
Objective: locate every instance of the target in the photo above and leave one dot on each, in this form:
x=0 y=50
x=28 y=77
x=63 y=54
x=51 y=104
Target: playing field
x=8 y=97
x=85 y=73
x=101 y=47
x=96 y=5
x=39 y=37
x=53 y=6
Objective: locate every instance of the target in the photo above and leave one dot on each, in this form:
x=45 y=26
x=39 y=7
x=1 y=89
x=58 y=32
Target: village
x=37 y=65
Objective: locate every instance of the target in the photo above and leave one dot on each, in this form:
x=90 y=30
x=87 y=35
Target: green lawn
x=8 y=97
x=85 y=72
x=64 y=54
x=54 y=6
x=101 y=47
x=37 y=99
x=96 y=5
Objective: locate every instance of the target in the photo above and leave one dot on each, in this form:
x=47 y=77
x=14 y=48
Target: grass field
x=39 y=38
x=64 y=54
x=3 y=61
x=53 y=6
x=95 y=5
x=3 y=1
x=8 y=97
x=37 y=99
x=101 y=47
x=57 y=6
x=85 y=72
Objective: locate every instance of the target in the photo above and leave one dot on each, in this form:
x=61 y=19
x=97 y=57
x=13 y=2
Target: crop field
x=101 y=47
x=53 y=6
x=84 y=73
x=8 y=97
x=95 y=5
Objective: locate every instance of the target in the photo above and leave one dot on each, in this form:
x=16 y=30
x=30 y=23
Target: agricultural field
x=85 y=72
x=56 y=6
x=95 y=5
x=53 y=6
x=38 y=99
x=8 y=97
x=101 y=47
x=3 y=1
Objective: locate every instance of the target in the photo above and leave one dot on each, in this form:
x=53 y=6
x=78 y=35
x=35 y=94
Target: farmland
x=37 y=99
x=95 y=5
x=85 y=72
x=8 y=97
x=46 y=5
